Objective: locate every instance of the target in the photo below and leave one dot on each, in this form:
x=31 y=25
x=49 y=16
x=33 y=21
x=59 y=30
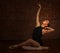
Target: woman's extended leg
x=28 y=42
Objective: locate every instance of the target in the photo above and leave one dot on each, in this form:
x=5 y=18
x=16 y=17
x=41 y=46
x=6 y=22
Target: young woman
x=38 y=31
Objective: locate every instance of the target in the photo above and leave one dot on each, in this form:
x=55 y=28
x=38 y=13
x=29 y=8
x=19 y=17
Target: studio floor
x=54 y=47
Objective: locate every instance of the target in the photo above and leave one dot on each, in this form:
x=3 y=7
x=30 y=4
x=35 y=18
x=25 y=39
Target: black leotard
x=37 y=34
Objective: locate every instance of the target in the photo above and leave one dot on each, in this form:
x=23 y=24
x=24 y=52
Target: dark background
x=17 y=18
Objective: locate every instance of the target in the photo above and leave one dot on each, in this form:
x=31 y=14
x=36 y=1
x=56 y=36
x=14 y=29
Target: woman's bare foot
x=13 y=46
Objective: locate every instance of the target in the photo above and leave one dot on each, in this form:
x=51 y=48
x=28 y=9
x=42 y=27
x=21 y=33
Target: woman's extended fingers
x=39 y=5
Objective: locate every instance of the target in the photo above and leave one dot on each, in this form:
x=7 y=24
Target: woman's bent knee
x=29 y=40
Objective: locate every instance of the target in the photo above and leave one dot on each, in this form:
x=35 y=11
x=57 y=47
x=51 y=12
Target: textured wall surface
x=17 y=18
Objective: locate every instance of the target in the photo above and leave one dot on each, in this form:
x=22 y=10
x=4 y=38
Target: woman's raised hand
x=39 y=5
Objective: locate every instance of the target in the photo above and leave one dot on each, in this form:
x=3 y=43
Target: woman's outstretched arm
x=37 y=16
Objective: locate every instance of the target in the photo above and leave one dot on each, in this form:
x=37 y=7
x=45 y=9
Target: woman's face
x=45 y=23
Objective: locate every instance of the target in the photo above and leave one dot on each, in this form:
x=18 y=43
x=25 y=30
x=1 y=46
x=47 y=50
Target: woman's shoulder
x=38 y=27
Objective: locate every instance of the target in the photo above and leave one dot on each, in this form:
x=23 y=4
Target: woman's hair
x=48 y=25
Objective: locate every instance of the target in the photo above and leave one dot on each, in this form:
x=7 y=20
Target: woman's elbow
x=53 y=30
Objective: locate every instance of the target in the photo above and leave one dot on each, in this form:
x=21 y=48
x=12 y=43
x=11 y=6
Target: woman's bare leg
x=27 y=43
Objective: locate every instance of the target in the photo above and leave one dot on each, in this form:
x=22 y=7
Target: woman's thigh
x=32 y=42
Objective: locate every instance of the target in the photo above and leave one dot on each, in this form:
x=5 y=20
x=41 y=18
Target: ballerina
x=38 y=32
